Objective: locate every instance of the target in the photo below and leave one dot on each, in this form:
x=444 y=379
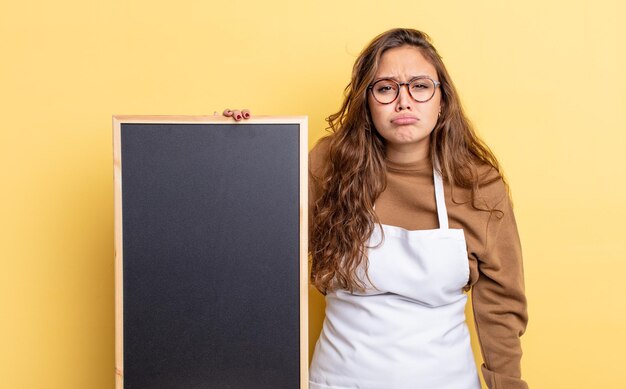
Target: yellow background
x=544 y=82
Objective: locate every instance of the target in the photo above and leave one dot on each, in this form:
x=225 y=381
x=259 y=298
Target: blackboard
x=210 y=252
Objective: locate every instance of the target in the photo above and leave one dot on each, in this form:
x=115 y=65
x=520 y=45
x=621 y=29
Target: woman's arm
x=499 y=300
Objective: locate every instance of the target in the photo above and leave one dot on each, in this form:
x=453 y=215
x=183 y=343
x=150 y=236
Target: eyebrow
x=396 y=79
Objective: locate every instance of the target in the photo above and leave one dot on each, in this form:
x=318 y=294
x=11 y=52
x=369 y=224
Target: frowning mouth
x=403 y=120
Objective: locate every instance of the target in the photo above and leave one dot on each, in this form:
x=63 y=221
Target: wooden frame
x=119 y=254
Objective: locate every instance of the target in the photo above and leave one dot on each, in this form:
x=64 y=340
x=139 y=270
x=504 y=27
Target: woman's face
x=405 y=124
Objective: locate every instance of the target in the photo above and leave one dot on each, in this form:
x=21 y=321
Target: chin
x=406 y=137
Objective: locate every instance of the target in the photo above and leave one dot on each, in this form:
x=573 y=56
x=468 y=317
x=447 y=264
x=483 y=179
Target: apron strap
x=442 y=212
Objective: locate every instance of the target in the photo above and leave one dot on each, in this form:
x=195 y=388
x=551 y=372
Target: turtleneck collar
x=421 y=165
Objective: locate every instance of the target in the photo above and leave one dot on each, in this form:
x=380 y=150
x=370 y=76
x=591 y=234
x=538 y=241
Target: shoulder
x=318 y=156
x=492 y=188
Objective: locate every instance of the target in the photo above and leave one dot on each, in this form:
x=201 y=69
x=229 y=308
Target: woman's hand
x=237 y=114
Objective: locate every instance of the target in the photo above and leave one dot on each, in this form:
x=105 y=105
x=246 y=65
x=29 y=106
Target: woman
x=408 y=211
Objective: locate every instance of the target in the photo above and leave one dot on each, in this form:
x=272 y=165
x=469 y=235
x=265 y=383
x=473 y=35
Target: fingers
x=237 y=114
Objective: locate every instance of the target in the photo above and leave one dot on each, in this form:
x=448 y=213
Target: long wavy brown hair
x=355 y=175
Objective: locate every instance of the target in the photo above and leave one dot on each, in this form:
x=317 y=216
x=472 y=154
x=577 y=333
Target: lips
x=403 y=120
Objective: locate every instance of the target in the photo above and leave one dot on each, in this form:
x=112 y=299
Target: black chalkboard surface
x=211 y=256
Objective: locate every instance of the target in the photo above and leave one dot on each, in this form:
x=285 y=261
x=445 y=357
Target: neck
x=406 y=153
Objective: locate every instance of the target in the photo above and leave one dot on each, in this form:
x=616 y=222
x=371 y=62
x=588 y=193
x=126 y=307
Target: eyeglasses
x=421 y=89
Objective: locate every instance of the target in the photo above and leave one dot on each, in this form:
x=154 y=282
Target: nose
x=404 y=98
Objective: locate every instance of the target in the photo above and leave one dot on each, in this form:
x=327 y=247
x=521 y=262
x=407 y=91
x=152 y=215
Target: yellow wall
x=544 y=83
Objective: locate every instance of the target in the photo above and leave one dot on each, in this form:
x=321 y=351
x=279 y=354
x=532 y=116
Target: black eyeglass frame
x=400 y=84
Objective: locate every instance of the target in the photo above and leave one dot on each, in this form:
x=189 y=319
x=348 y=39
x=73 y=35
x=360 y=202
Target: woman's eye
x=420 y=86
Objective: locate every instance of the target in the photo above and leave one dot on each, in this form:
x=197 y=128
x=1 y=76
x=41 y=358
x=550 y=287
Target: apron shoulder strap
x=442 y=212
